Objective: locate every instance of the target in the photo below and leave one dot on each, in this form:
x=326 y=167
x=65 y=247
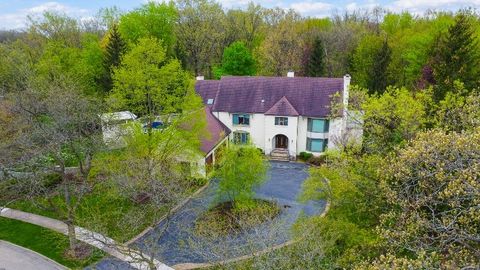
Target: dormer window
x=210 y=101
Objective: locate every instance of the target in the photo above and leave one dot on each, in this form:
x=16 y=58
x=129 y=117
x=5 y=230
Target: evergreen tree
x=370 y=63
x=112 y=58
x=455 y=58
x=316 y=61
x=379 y=78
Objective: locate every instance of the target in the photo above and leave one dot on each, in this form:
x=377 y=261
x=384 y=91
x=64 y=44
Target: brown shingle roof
x=217 y=132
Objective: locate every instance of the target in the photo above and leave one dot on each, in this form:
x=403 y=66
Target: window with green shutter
x=241 y=119
x=241 y=137
x=281 y=121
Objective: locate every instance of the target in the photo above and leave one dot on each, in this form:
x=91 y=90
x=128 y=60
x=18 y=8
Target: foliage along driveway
x=174 y=242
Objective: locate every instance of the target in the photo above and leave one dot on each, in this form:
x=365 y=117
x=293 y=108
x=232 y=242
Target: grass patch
x=224 y=219
x=107 y=211
x=44 y=241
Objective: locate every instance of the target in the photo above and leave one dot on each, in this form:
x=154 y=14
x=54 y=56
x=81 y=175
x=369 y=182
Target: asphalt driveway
x=13 y=257
x=173 y=242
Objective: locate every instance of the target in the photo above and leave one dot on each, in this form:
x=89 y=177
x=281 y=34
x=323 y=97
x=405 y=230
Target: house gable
x=283 y=107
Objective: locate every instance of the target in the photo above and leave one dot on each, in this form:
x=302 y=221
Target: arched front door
x=281 y=141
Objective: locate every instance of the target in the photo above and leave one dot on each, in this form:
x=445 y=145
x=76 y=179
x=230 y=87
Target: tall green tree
x=392 y=119
x=201 y=34
x=241 y=169
x=146 y=83
x=316 y=61
x=112 y=57
x=237 y=60
x=379 y=76
x=281 y=50
x=370 y=63
x=151 y=20
x=455 y=57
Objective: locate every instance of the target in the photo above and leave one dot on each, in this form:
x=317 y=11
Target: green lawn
x=104 y=211
x=44 y=241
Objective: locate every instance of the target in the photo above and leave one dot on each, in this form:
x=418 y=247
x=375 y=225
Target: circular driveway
x=173 y=241
x=13 y=257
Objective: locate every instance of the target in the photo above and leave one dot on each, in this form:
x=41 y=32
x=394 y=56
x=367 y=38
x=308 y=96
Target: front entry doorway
x=281 y=141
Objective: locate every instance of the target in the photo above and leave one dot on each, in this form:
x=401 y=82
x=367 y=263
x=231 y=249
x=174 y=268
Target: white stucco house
x=283 y=116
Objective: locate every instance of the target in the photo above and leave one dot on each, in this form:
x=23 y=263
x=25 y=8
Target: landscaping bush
x=225 y=218
x=317 y=161
x=51 y=180
x=304 y=156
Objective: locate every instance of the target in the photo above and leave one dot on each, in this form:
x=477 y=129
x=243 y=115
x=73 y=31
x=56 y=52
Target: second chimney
x=290 y=74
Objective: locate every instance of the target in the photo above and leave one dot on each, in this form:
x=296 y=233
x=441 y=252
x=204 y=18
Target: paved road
x=127 y=255
x=13 y=257
x=175 y=243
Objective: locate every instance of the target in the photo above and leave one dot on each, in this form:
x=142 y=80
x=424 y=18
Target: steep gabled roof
x=309 y=96
x=283 y=107
x=217 y=132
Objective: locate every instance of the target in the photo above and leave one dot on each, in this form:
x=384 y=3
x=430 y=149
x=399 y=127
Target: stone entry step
x=280 y=155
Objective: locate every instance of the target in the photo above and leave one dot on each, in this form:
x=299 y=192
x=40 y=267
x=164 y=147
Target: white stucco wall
x=335 y=129
x=256 y=127
x=262 y=131
x=271 y=130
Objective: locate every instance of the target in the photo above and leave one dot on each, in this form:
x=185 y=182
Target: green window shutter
x=309 y=125
x=247 y=119
x=235 y=119
x=327 y=126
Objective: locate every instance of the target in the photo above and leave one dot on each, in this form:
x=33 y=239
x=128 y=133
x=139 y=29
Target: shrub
x=304 y=156
x=317 y=161
x=52 y=180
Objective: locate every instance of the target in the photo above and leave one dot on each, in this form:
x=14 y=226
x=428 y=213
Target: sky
x=13 y=13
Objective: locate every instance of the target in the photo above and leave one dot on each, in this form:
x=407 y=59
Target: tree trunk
x=70 y=217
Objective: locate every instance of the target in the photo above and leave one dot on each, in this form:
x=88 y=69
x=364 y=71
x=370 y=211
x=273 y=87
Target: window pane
x=318 y=125
x=281 y=121
x=246 y=120
x=327 y=126
x=316 y=145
